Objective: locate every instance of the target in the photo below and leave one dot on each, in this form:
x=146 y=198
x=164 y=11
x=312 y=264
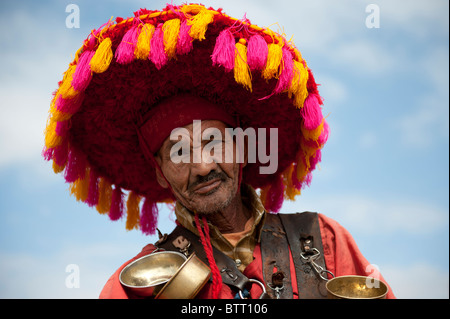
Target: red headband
x=174 y=112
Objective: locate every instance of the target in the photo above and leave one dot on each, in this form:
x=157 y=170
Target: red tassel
x=117 y=205
x=76 y=166
x=206 y=242
x=149 y=217
x=275 y=196
x=93 y=194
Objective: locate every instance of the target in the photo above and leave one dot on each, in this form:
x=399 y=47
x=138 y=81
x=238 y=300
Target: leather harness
x=282 y=233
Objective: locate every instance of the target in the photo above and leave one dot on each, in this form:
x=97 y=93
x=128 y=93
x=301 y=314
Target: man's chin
x=212 y=203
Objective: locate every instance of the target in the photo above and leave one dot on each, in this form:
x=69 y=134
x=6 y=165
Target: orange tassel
x=171 y=29
x=80 y=188
x=242 y=73
x=273 y=62
x=133 y=211
x=298 y=89
x=104 y=196
x=142 y=49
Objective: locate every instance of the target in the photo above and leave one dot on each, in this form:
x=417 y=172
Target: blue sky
x=384 y=171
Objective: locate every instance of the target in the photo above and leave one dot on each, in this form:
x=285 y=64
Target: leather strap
x=303 y=230
x=275 y=256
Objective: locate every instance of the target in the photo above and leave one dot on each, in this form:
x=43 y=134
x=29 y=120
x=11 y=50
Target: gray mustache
x=212 y=175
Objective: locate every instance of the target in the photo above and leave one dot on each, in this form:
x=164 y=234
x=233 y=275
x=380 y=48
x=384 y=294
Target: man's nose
x=204 y=167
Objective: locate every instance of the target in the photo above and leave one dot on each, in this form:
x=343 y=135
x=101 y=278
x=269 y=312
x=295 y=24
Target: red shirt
x=342 y=257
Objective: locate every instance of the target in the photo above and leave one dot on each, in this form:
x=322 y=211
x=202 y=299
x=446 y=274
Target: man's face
x=202 y=185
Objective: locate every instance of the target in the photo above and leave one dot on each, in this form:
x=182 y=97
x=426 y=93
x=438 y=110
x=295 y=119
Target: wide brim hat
x=127 y=66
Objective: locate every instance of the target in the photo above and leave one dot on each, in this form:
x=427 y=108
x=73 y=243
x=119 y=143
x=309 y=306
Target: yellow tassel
x=51 y=138
x=80 y=188
x=273 y=61
x=56 y=168
x=133 y=211
x=302 y=169
x=171 y=29
x=312 y=135
x=103 y=56
x=142 y=49
x=242 y=73
x=298 y=88
x=290 y=190
x=199 y=23
x=104 y=196
x=66 y=89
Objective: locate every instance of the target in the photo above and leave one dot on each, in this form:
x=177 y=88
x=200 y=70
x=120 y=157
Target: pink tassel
x=285 y=79
x=311 y=112
x=47 y=153
x=70 y=106
x=92 y=198
x=275 y=196
x=125 y=51
x=62 y=128
x=324 y=135
x=224 y=50
x=82 y=75
x=116 y=211
x=60 y=154
x=257 y=52
x=184 y=44
x=76 y=166
x=308 y=179
x=149 y=217
x=157 y=53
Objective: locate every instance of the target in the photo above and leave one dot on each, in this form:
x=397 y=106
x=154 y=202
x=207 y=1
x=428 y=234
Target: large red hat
x=127 y=67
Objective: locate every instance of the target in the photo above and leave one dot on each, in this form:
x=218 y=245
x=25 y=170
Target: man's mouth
x=207 y=187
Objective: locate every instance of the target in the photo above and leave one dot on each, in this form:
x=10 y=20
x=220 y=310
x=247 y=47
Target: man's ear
x=159 y=175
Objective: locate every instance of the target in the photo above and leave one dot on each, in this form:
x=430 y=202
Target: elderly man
x=222 y=117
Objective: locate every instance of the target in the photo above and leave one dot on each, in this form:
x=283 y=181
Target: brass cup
x=187 y=282
x=356 y=287
x=147 y=275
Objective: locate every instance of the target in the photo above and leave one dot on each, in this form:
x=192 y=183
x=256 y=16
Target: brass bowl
x=147 y=275
x=187 y=282
x=356 y=287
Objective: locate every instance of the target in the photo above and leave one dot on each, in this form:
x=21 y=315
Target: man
x=183 y=105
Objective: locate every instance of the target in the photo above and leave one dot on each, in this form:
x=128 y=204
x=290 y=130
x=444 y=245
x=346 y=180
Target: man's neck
x=232 y=219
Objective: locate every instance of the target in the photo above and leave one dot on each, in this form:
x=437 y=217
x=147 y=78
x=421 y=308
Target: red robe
x=342 y=257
